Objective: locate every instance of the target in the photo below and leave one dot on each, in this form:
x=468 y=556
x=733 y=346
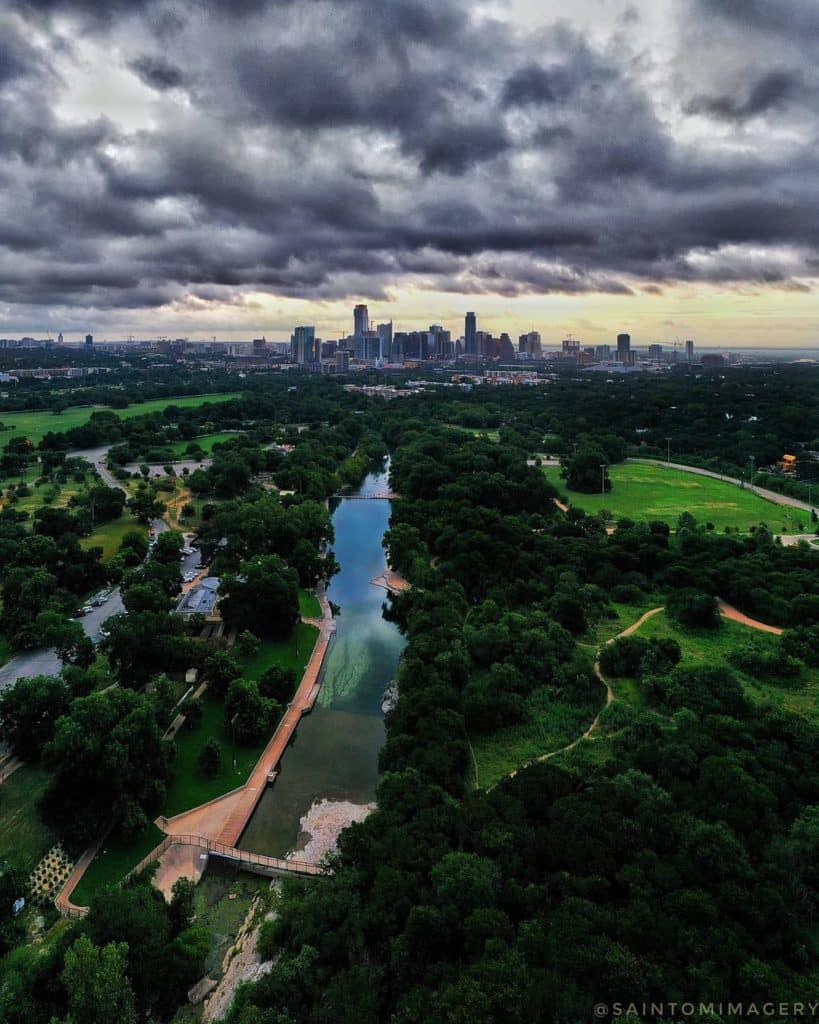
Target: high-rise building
x=89 y=339
x=342 y=361
x=303 y=345
x=602 y=352
x=470 y=334
x=60 y=338
x=384 y=332
x=570 y=346
x=529 y=344
x=361 y=321
x=624 y=349
x=689 y=351
x=655 y=352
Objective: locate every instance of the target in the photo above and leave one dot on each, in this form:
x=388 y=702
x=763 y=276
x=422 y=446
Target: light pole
x=668 y=451
x=603 y=479
x=233 y=737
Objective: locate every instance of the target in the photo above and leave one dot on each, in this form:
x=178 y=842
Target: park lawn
x=489 y=434
x=24 y=839
x=35 y=425
x=713 y=647
x=114 y=861
x=189 y=787
x=549 y=725
x=206 y=442
x=34 y=501
x=621 y=617
x=291 y=653
x=309 y=605
x=108 y=536
x=645 y=492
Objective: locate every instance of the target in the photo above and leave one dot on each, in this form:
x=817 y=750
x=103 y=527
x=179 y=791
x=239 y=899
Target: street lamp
x=233 y=737
x=603 y=479
x=668 y=451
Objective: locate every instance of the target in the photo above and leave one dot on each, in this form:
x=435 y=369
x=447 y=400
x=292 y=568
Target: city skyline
x=646 y=167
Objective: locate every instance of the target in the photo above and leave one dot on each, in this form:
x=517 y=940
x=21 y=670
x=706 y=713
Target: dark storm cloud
x=795 y=18
x=532 y=84
x=324 y=149
x=157 y=72
x=770 y=90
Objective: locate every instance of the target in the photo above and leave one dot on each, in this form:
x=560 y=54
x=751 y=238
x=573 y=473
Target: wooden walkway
x=267 y=765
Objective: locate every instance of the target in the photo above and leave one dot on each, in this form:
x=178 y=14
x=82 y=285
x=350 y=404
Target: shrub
x=694 y=608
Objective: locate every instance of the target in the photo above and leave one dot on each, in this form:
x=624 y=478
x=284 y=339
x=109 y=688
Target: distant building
x=470 y=334
x=361 y=320
x=689 y=351
x=506 y=350
x=712 y=361
x=303 y=345
x=342 y=361
x=89 y=339
x=60 y=338
x=529 y=344
x=570 y=346
x=655 y=352
x=602 y=352
x=624 y=354
x=384 y=332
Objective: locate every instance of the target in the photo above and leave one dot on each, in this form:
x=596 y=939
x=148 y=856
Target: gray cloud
x=325 y=149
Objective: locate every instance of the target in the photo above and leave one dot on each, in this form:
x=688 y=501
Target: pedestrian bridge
x=375 y=496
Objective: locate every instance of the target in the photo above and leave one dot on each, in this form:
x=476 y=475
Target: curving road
x=43 y=661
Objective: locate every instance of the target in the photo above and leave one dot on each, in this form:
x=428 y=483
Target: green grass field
x=24 y=839
x=113 y=863
x=189 y=786
x=309 y=605
x=644 y=492
x=714 y=647
x=206 y=443
x=488 y=433
x=109 y=536
x=549 y=725
x=35 y=425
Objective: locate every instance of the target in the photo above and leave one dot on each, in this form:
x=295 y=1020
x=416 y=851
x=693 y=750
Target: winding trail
x=735 y=615
x=726 y=610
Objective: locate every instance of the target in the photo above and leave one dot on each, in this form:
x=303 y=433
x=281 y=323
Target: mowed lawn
x=189 y=786
x=206 y=442
x=108 y=536
x=645 y=492
x=24 y=839
x=35 y=425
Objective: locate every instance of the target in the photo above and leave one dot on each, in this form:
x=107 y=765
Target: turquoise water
x=334 y=754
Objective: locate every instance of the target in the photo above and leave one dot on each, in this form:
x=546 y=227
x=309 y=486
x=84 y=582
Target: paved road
x=43 y=661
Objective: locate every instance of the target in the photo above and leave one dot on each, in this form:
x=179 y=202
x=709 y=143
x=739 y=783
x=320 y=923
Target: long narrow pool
x=329 y=772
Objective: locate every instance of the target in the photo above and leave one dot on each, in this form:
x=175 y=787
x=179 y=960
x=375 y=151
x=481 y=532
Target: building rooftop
x=200 y=599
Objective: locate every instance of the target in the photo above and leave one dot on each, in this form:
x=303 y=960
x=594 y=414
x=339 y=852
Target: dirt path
x=726 y=610
x=735 y=615
x=609 y=697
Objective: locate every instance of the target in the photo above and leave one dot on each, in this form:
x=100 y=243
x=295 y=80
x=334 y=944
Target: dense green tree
x=97 y=984
x=108 y=764
x=264 y=598
x=29 y=711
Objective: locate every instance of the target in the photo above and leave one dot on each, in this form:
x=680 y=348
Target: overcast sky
x=196 y=168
